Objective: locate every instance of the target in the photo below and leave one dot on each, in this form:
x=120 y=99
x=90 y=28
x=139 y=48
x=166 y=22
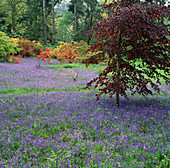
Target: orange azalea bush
x=82 y=48
x=73 y=52
x=65 y=52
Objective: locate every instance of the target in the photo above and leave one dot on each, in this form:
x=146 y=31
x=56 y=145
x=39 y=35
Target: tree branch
x=49 y=6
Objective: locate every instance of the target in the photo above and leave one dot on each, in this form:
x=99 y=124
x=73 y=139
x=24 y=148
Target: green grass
x=63 y=67
x=25 y=91
x=99 y=68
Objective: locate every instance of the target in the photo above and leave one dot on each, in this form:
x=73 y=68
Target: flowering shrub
x=29 y=48
x=16 y=40
x=7 y=47
x=82 y=47
x=38 y=44
x=15 y=60
x=44 y=54
x=18 y=60
x=72 y=52
x=12 y=59
x=65 y=52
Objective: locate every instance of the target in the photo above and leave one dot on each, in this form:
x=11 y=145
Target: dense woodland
x=66 y=22
x=50 y=21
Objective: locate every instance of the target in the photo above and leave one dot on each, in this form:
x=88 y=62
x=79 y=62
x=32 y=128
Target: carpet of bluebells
x=66 y=128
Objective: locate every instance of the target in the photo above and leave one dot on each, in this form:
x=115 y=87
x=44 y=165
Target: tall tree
x=12 y=5
x=53 y=23
x=65 y=27
x=77 y=8
x=87 y=15
x=3 y=16
x=75 y=4
x=131 y=35
x=75 y=16
x=45 y=32
x=26 y=17
x=91 y=9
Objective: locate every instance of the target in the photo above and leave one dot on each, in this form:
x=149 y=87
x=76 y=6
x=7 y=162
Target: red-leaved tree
x=131 y=33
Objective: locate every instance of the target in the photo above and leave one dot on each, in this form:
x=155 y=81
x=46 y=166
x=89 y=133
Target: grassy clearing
x=98 y=68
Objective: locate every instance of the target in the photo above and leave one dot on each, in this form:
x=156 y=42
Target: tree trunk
x=91 y=21
x=13 y=17
x=118 y=68
x=45 y=32
x=75 y=18
x=53 y=36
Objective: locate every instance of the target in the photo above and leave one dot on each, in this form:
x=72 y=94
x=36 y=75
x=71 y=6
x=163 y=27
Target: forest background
x=56 y=20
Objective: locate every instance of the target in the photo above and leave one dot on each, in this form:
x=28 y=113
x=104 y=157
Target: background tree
x=11 y=9
x=45 y=32
x=131 y=35
x=28 y=18
x=75 y=15
x=49 y=10
x=77 y=8
x=92 y=13
x=13 y=4
x=88 y=14
x=65 y=27
x=4 y=20
x=53 y=22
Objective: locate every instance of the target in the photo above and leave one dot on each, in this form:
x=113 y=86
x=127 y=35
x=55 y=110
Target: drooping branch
x=49 y=10
x=140 y=38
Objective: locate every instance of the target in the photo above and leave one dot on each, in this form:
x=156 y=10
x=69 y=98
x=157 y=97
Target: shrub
x=38 y=44
x=74 y=51
x=29 y=48
x=81 y=47
x=14 y=59
x=43 y=56
x=15 y=40
x=7 y=47
x=65 y=52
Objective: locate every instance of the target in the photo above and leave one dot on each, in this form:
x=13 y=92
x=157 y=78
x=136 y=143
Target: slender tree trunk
x=13 y=16
x=91 y=21
x=118 y=67
x=75 y=17
x=45 y=32
x=53 y=36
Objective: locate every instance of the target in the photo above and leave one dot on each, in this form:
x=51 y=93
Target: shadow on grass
x=145 y=102
x=133 y=100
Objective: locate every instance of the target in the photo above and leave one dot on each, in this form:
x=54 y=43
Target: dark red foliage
x=132 y=25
